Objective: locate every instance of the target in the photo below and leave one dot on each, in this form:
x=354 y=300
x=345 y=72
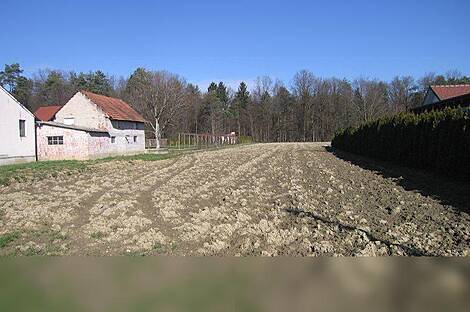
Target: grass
x=7 y=238
x=144 y=157
x=19 y=172
x=162 y=249
x=46 y=169
x=159 y=248
x=97 y=235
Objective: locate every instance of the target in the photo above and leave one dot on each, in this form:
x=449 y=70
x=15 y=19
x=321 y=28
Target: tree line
x=310 y=108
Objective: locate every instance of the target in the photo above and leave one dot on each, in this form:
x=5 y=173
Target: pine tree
x=23 y=91
x=99 y=83
x=10 y=75
x=241 y=101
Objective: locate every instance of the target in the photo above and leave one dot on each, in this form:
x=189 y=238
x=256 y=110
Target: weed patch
x=8 y=238
x=97 y=235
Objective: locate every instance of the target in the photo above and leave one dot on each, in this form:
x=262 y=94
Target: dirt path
x=271 y=199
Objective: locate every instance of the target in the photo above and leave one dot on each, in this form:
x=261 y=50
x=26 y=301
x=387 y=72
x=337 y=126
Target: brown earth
x=298 y=199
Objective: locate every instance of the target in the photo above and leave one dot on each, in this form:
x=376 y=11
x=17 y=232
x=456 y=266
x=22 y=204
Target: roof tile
x=445 y=92
x=47 y=113
x=116 y=109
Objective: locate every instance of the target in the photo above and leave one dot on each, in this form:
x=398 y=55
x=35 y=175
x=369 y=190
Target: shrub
x=436 y=140
x=244 y=139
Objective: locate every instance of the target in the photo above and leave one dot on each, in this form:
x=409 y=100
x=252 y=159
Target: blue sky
x=239 y=40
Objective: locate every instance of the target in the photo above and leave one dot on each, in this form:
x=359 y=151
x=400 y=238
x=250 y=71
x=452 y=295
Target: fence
x=195 y=140
x=152 y=143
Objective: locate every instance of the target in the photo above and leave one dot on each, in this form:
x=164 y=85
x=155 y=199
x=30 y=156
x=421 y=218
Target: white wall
x=81 y=145
x=84 y=112
x=124 y=132
x=75 y=143
x=88 y=114
x=13 y=148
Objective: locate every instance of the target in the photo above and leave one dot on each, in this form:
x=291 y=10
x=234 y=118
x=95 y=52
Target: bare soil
x=299 y=199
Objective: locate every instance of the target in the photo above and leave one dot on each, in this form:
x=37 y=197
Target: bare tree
x=370 y=99
x=401 y=92
x=304 y=89
x=159 y=96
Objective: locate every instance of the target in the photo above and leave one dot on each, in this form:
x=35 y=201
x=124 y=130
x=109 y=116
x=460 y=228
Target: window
x=113 y=140
x=55 y=140
x=135 y=139
x=69 y=120
x=22 y=128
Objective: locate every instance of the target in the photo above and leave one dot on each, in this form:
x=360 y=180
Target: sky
x=235 y=41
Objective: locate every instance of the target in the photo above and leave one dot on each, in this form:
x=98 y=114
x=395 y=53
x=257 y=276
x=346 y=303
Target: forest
x=308 y=108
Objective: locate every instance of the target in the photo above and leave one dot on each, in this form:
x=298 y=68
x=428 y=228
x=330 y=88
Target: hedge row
x=437 y=140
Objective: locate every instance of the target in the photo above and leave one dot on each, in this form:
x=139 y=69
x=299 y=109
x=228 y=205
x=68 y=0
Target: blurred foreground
x=212 y=284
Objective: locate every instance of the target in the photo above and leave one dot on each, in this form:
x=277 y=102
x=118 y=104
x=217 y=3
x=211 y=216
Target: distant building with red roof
x=442 y=96
x=47 y=113
x=90 y=125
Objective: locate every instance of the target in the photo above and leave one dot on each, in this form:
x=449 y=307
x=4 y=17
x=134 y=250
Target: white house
x=18 y=139
x=91 y=126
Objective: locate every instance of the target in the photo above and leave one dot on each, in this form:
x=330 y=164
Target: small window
x=55 y=140
x=69 y=120
x=135 y=139
x=22 y=128
x=113 y=140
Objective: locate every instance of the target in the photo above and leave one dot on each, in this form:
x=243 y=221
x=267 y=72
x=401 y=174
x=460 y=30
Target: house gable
x=431 y=97
x=80 y=111
x=8 y=99
x=17 y=129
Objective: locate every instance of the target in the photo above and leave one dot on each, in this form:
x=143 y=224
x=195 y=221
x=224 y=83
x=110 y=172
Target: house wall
x=99 y=145
x=75 y=144
x=430 y=98
x=81 y=145
x=85 y=113
x=13 y=148
x=124 y=132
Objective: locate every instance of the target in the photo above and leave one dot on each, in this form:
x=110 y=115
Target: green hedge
x=437 y=140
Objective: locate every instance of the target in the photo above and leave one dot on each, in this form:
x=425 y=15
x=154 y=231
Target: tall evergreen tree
x=242 y=98
x=222 y=93
x=54 y=90
x=212 y=87
x=23 y=91
x=10 y=75
x=99 y=83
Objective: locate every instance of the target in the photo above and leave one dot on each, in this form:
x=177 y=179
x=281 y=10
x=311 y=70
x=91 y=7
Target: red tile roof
x=116 y=109
x=47 y=113
x=445 y=92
